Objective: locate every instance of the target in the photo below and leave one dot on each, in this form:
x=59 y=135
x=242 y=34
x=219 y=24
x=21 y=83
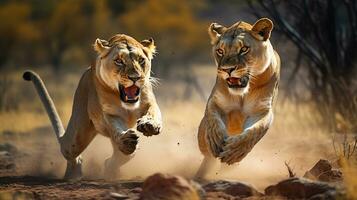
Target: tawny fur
x=97 y=107
x=236 y=119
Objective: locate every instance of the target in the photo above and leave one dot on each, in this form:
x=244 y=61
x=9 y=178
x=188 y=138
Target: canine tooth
x=126 y=98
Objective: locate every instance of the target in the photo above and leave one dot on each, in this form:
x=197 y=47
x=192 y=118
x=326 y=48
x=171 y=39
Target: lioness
x=239 y=109
x=113 y=97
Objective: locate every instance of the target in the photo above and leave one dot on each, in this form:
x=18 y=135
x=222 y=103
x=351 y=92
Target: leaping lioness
x=113 y=98
x=239 y=110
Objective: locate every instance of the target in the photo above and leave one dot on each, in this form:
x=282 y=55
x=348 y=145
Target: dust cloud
x=296 y=137
x=175 y=151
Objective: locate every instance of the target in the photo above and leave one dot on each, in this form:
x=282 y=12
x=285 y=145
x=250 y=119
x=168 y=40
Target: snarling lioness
x=239 y=110
x=114 y=98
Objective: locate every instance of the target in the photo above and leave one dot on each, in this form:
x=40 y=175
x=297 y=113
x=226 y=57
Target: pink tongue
x=233 y=80
x=131 y=91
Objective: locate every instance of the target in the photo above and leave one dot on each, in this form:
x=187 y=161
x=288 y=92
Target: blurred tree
x=36 y=32
x=16 y=28
x=102 y=22
x=68 y=25
x=179 y=34
x=325 y=33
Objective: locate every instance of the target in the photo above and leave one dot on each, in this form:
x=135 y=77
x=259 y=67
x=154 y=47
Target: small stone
x=118 y=196
x=8 y=147
x=167 y=187
x=4 y=154
x=322 y=171
x=232 y=188
x=299 y=188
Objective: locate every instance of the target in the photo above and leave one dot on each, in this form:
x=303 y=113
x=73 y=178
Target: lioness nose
x=244 y=81
x=134 y=78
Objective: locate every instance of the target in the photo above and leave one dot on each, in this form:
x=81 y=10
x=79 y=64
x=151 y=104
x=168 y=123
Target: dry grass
x=350 y=178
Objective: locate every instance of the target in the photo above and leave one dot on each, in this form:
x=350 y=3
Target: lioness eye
x=119 y=62
x=142 y=61
x=219 y=52
x=244 y=50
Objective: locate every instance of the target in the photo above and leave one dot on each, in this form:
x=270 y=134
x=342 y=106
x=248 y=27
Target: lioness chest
x=236 y=110
x=109 y=104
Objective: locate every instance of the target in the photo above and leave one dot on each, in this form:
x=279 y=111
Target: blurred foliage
x=324 y=32
x=60 y=33
x=172 y=24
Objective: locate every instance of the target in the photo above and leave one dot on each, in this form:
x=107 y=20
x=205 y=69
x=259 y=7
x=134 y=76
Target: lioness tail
x=46 y=100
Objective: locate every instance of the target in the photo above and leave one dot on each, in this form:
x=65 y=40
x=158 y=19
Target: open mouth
x=129 y=94
x=241 y=82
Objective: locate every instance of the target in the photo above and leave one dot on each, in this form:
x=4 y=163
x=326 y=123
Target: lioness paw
x=128 y=141
x=236 y=149
x=216 y=146
x=148 y=126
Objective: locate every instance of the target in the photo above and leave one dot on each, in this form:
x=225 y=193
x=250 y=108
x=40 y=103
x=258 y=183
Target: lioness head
x=241 y=52
x=124 y=65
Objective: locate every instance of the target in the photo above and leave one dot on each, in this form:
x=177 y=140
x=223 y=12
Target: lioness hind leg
x=112 y=165
x=73 y=143
x=74 y=169
x=208 y=165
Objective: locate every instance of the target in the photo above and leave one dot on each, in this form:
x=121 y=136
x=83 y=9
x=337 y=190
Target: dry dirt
x=31 y=167
x=34 y=166
x=28 y=166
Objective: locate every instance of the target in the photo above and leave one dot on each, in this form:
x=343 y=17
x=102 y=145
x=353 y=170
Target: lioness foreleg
x=216 y=132
x=211 y=136
x=237 y=147
x=125 y=139
x=150 y=123
x=124 y=143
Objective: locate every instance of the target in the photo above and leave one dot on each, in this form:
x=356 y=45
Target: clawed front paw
x=127 y=141
x=148 y=126
x=216 y=143
x=236 y=149
x=216 y=148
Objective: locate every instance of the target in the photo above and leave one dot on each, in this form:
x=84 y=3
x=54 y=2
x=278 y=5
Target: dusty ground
x=31 y=164
x=26 y=172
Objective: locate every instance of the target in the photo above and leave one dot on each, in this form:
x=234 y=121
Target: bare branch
x=290 y=170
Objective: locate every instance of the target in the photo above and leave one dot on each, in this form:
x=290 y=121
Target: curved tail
x=46 y=100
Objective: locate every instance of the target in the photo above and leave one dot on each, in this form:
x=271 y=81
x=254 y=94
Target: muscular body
x=239 y=109
x=114 y=98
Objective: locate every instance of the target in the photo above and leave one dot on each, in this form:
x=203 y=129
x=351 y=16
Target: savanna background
x=315 y=116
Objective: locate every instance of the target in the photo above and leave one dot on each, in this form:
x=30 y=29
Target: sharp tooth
x=137 y=97
x=126 y=98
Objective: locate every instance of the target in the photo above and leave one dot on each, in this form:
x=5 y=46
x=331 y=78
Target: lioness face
x=125 y=66
x=241 y=52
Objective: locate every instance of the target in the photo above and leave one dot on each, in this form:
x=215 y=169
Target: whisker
x=252 y=76
x=154 y=81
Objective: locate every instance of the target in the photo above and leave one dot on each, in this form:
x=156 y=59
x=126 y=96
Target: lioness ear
x=149 y=44
x=262 y=29
x=100 y=45
x=215 y=31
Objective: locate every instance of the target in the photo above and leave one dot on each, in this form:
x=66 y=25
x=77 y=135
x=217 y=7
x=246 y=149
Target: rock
x=322 y=171
x=7 y=161
x=333 y=175
x=232 y=188
x=164 y=186
x=326 y=196
x=293 y=188
x=115 y=195
x=220 y=195
x=9 y=148
x=4 y=153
